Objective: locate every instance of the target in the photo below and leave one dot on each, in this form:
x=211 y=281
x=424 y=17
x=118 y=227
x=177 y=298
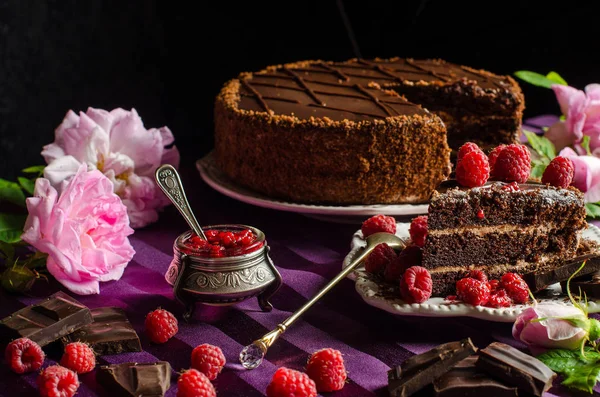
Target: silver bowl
x=222 y=281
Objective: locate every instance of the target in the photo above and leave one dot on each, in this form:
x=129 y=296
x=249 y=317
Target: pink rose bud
x=552 y=326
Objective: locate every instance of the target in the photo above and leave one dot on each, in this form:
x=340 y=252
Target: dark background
x=168 y=59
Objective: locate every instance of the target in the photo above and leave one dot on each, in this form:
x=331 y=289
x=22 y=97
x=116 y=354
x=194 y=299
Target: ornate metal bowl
x=222 y=281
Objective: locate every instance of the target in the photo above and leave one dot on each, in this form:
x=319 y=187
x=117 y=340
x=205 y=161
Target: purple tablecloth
x=308 y=253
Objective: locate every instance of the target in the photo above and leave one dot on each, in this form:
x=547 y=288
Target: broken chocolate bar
x=109 y=333
x=133 y=379
x=539 y=280
x=418 y=371
x=47 y=321
x=515 y=368
x=464 y=380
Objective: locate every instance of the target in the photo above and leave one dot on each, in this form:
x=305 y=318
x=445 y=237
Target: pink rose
x=117 y=144
x=587 y=174
x=553 y=332
x=83 y=230
x=582 y=117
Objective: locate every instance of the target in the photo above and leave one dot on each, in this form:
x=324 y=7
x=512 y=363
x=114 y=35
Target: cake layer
x=532 y=204
x=490 y=248
x=320 y=160
x=445 y=277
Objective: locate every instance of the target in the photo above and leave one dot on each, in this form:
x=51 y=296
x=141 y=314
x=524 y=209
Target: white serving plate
x=385 y=297
x=221 y=183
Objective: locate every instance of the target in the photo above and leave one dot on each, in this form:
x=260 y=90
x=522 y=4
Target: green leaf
x=11 y=227
x=535 y=78
x=582 y=377
x=585 y=143
x=11 y=192
x=36 y=169
x=557 y=78
x=561 y=360
x=542 y=145
x=592 y=210
x=27 y=184
x=562 y=117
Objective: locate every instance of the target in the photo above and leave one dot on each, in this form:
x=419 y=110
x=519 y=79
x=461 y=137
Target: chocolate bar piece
x=47 y=321
x=133 y=379
x=418 y=371
x=515 y=368
x=110 y=333
x=590 y=285
x=539 y=280
x=464 y=380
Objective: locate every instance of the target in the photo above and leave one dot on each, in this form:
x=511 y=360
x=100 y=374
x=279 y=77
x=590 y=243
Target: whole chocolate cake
x=339 y=133
x=500 y=228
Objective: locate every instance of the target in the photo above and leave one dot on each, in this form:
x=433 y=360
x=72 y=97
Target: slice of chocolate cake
x=500 y=228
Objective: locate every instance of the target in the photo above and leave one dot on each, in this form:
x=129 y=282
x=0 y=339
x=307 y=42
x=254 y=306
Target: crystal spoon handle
x=252 y=355
x=169 y=181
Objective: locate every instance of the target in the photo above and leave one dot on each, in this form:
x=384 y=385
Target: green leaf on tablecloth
x=557 y=78
x=535 y=78
x=11 y=192
x=36 y=169
x=580 y=372
x=585 y=144
x=592 y=210
x=582 y=377
x=27 y=184
x=11 y=227
x=541 y=145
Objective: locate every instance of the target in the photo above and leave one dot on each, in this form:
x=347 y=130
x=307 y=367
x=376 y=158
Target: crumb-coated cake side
x=498 y=229
x=339 y=133
x=301 y=135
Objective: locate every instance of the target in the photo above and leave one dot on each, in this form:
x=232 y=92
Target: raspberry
x=289 y=383
x=494 y=285
x=513 y=164
x=408 y=257
x=478 y=275
x=160 y=325
x=208 y=359
x=466 y=149
x=78 y=357
x=193 y=383
x=57 y=381
x=499 y=299
x=24 y=355
x=515 y=287
x=381 y=256
x=493 y=156
x=326 y=368
x=416 y=285
x=473 y=170
x=473 y=292
x=378 y=223
x=418 y=230
x=480 y=214
x=559 y=172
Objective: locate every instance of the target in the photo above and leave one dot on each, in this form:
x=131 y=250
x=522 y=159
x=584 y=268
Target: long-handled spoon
x=252 y=355
x=169 y=181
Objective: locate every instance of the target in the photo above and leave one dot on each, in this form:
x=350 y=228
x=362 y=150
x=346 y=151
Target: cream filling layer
x=503 y=267
x=482 y=230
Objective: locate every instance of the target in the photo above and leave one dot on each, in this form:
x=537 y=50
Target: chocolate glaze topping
x=345 y=90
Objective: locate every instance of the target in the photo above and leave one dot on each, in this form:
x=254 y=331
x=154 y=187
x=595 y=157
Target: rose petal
x=564 y=95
